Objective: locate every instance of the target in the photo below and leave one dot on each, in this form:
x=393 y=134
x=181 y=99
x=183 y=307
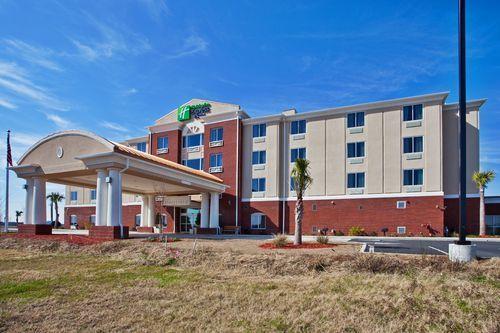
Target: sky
x=113 y=67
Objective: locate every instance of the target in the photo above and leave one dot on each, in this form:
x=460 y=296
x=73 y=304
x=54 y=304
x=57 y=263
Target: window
x=138 y=220
x=163 y=219
x=258 y=184
x=401 y=204
x=356 y=119
x=413 y=177
x=356 y=180
x=298 y=127
x=259 y=130
x=192 y=140
x=73 y=195
x=314 y=207
x=259 y=157
x=92 y=219
x=92 y=194
x=216 y=160
x=258 y=221
x=412 y=112
x=297 y=153
x=141 y=146
x=73 y=220
x=292 y=184
x=162 y=142
x=401 y=230
x=413 y=145
x=356 y=149
x=492 y=224
x=195 y=163
x=216 y=134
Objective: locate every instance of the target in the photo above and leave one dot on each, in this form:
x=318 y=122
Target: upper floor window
x=356 y=180
x=259 y=157
x=356 y=119
x=92 y=194
x=297 y=153
x=162 y=142
x=258 y=184
x=413 y=145
x=298 y=126
x=141 y=146
x=413 y=177
x=216 y=134
x=192 y=140
x=356 y=149
x=412 y=112
x=195 y=163
x=73 y=195
x=259 y=130
x=216 y=160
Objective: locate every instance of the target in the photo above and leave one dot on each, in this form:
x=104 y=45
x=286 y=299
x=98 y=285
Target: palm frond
x=482 y=178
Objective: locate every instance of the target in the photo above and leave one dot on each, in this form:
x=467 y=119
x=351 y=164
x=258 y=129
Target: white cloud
x=192 y=45
x=59 y=121
x=33 y=54
x=111 y=42
x=156 y=8
x=16 y=80
x=114 y=126
x=131 y=91
x=6 y=104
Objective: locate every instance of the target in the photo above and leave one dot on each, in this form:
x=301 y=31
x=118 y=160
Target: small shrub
x=322 y=239
x=280 y=240
x=338 y=233
x=356 y=231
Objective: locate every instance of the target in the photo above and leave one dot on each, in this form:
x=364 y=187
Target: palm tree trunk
x=51 y=211
x=482 y=223
x=299 y=213
x=57 y=214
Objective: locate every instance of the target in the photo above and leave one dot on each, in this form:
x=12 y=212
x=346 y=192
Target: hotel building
x=388 y=167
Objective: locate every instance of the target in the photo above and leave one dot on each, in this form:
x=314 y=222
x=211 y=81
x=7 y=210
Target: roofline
x=440 y=96
x=91 y=135
x=470 y=104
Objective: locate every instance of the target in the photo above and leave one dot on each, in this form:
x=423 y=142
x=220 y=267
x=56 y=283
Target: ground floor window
x=493 y=224
x=138 y=220
x=92 y=219
x=73 y=220
x=258 y=221
x=401 y=230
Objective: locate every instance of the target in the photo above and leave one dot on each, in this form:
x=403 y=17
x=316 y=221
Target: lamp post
x=462 y=250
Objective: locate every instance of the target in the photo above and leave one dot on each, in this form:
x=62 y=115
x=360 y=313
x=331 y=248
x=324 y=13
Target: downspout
x=127 y=166
x=282 y=169
x=237 y=168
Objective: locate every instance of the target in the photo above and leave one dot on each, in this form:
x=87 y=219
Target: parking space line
x=444 y=252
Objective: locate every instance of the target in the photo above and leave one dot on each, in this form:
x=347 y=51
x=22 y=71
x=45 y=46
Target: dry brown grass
x=136 y=286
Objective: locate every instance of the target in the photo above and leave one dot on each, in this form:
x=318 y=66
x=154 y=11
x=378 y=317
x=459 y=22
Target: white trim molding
x=347 y=197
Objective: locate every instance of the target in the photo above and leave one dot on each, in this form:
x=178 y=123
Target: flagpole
x=6 y=220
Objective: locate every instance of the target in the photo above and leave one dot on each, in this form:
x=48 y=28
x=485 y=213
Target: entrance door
x=187 y=219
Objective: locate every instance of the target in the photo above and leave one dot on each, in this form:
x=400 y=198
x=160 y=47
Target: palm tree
x=55 y=198
x=18 y=215
x=482 y=179
x=302 y=180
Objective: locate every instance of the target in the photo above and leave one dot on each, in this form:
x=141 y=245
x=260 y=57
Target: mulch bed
x=290 y=246
x=72 y=239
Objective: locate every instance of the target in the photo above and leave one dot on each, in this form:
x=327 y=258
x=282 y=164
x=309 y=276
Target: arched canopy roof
x=73 y=158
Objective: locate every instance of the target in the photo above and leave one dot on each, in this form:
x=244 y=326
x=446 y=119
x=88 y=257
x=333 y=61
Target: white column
x=28 y=210
x=39 y=201
x=114 y=195
x=101 y=198
x=214 y=210
x=144 y=210
x=151 y=210
x=205 y=209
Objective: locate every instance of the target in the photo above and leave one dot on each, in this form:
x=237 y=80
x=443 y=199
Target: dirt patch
x=290 y=246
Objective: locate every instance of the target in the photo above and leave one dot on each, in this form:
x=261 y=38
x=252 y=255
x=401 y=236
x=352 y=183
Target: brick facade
x=83 y=215
x=451 y=216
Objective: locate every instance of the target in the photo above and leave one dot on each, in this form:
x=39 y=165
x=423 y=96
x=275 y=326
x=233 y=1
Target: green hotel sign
x=186 y=112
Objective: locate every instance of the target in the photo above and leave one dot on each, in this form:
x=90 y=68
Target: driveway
x=484 y=248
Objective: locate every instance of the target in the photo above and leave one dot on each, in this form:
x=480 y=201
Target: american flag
x=9 y=152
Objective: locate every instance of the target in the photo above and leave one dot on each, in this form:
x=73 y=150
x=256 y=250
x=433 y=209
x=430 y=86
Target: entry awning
x=73 y=158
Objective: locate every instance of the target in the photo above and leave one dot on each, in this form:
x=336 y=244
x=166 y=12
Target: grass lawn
x=140 y=286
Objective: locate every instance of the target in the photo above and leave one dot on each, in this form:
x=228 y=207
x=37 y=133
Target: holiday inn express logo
x=186 y=112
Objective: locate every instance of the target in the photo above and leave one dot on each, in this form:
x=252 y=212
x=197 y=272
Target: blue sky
x=113 y=67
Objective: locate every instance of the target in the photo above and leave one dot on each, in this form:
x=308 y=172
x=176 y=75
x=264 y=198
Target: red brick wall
x=451 y=215
x=340 y=215
x=492 y=209
x=174 y=145
x=272 y=210
x=83 y=214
